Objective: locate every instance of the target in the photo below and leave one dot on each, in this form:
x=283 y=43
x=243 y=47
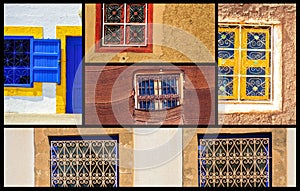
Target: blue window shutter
x=46 y=60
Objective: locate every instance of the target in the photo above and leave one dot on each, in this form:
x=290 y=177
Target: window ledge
x=228 y=108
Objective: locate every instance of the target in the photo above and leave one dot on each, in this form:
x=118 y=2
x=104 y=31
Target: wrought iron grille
x=84 y=163
x=234 y=162
x=244 y=59
x=158 y=91
x=17 y=61
x=124 y=24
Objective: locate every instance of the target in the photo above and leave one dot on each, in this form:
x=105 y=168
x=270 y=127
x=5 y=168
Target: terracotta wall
x=108 y=88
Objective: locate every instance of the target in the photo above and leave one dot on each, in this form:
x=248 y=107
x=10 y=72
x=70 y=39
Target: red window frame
x=142 y=49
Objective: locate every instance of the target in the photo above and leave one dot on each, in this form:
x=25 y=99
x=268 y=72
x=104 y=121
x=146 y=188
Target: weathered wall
x=181 y=33
x=42 y=154
x=108 y=102
x=285 y=15
x=291 y=157
x=279 y=152
x=37 y=15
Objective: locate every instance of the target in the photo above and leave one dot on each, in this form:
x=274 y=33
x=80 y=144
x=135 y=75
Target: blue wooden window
x=28 y=60
x=84 y=161
x=242 y=160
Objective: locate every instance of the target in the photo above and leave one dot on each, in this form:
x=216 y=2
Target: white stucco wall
x=18 y=157
x=158 y=157
x=47 y=16
x=33 y=104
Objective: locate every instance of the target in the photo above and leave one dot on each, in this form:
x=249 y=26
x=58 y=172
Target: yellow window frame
x=240 y=62
x=233 y=62
x=247 y=63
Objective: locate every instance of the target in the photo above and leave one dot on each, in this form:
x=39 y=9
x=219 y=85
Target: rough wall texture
x=181 y=33
x=279 y=152
x=285 y=14
x=42 y=151
x=197 y=20
x=108 y=102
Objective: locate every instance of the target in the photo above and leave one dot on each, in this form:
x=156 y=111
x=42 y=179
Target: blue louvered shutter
x=46 y=60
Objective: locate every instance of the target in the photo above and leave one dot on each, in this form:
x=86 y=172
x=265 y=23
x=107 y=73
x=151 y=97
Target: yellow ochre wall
x=181 y=33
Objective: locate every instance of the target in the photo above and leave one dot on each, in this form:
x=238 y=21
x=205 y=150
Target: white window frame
x=275 y=103
x=124 y=24
x=160 y=72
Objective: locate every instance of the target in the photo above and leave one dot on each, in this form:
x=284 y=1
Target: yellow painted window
x=244 y=62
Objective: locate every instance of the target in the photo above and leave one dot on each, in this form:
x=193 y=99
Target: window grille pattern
x=244 y=60
x=84 y=163
x=124 y=24
x=158 y=91
x=234 y=162
x=17 y=62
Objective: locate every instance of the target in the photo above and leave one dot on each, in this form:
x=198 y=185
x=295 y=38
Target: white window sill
x=228 y=108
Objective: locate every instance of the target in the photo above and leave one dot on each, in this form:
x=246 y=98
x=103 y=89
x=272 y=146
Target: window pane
x=136 y=13
x=114 y=13
x=17 y=62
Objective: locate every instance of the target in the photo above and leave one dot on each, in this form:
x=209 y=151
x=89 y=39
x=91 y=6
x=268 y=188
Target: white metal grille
x=84 y=163
x=234 y=162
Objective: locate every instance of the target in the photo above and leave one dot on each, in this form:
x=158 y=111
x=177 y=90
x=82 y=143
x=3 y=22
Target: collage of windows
x=149 y=94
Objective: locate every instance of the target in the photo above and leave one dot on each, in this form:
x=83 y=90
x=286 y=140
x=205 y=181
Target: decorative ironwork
x=136 y=34
x=129 y=22
x=225 y=86
x=136 y=13
x=157 y=91
x=17 y=61
x=226 y=54
x=226 y=41
x=234 y=162
x=225 y=70
x=255 y=86
x=84 y=163
x=256 y=71
x=256 y=40
x=114 y=13
x=113 y=34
